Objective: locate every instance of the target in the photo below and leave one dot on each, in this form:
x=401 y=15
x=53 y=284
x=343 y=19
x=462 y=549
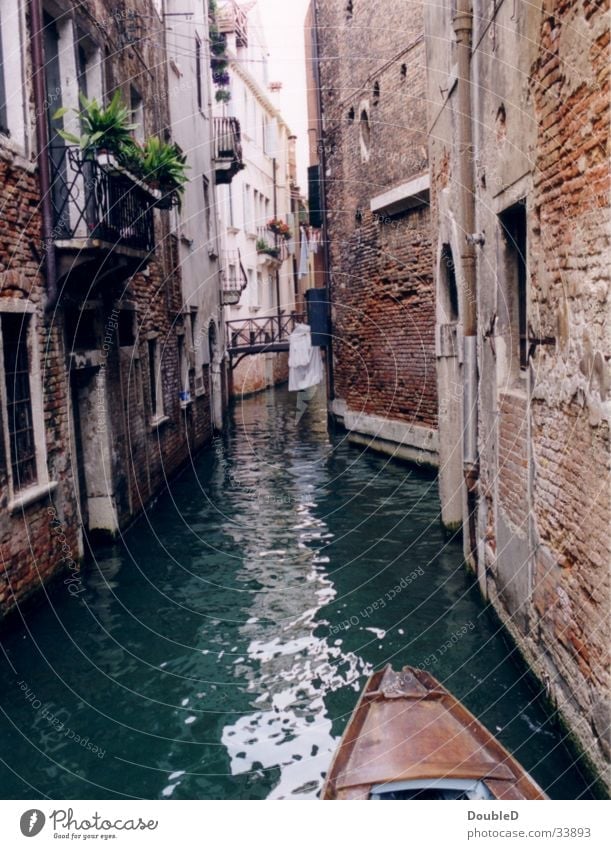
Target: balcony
x=227 y=149
x=103 y=216
x=234 y=279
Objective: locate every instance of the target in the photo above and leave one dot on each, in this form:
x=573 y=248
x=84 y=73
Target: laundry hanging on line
x=305 y=360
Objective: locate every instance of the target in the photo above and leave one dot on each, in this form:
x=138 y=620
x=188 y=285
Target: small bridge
x=263 y=335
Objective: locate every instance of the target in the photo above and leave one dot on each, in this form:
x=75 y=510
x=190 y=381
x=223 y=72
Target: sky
x=283 y=24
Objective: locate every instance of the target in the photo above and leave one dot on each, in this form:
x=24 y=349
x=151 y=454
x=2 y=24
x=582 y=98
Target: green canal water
x=218 y=651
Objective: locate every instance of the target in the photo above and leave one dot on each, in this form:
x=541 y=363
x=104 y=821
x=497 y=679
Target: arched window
x=351 y=115
x=349 y=10
x=365 y=135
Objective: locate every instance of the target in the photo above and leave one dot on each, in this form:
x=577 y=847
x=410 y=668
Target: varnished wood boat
x=409 y=738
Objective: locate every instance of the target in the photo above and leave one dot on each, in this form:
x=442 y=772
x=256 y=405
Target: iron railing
x=261 y=332
x=227 y=149
x=98 y=201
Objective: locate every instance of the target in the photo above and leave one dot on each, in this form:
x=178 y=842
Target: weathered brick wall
x=540 y=104
x=381 y=266
x=570 y=287
x=257 y=372
x=39 y=540
x=512 y=469
x=47 y=536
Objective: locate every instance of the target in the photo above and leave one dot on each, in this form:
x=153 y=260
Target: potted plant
x=164 y=167
x=104 y=129
x=279 y=227
x=264 y=248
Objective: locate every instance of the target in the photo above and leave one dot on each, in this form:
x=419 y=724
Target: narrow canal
x=219 y=651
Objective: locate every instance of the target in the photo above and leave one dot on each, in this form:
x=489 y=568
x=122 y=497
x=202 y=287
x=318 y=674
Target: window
x=260 y=292
x=89 y=68
x=230 y=201
x=22 y=447
x=207 y=211
x=252 y=292
x=3 y=111
x=198 y=72
x=233 y=279
x=513 y=224
x=351 y=115
x=365 y=135
x=376 y=93
x=247 y=208
x=21 y=410
x=12 y=86
x=127 y=328
x=196 y=341
x=183 y=366
x=404 y=71
x=449 y=293
x=349 y=10
x=155 y=385
x=137 y=113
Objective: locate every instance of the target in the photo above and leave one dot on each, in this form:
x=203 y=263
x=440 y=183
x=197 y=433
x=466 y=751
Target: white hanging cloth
x=305 y=360
x=304 y=254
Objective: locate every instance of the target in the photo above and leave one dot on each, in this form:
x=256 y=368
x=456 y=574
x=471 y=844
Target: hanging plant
x=221 y=78
x=218 y=57
x=279 y=227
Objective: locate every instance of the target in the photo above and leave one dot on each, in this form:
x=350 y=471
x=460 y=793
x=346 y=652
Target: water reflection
x=288 y=672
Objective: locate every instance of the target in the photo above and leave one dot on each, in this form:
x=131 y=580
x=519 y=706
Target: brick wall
x=570 y=285
x=47 y=536
x=381 y=265
x=540 y=103
x=36 y=541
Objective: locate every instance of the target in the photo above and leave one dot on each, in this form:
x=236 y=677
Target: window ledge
x=158 y=421
x=31 y=495
x=200 y=392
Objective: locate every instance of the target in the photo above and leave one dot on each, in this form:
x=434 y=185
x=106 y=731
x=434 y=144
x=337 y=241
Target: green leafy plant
x=164 y=165
x=223 y=95
x=264 y=248
x=102 y=127
x=131 y=157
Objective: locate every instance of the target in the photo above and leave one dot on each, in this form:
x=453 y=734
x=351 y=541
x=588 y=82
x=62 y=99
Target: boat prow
x=409 y=738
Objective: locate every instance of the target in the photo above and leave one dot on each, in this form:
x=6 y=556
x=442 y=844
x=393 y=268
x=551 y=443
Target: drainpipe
x=42 y=144
x=323 y=197
x=463 y=28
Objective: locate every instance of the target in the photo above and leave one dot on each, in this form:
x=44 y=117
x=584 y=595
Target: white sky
x=283 y=24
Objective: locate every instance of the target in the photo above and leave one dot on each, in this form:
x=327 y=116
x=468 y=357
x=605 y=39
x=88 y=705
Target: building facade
x=97 y=332
x=367 y=63
x=259 y=265
x=196 y=223
x=518 y=127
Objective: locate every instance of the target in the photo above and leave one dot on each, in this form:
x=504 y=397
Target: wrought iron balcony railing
x=227 y=149
x=94 y=198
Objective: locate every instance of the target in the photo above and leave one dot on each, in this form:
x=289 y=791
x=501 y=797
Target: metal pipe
x=463 y=29
x=42 y=143
x=323 y=197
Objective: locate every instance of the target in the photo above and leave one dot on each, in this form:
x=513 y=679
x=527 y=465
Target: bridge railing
x=261 y=331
